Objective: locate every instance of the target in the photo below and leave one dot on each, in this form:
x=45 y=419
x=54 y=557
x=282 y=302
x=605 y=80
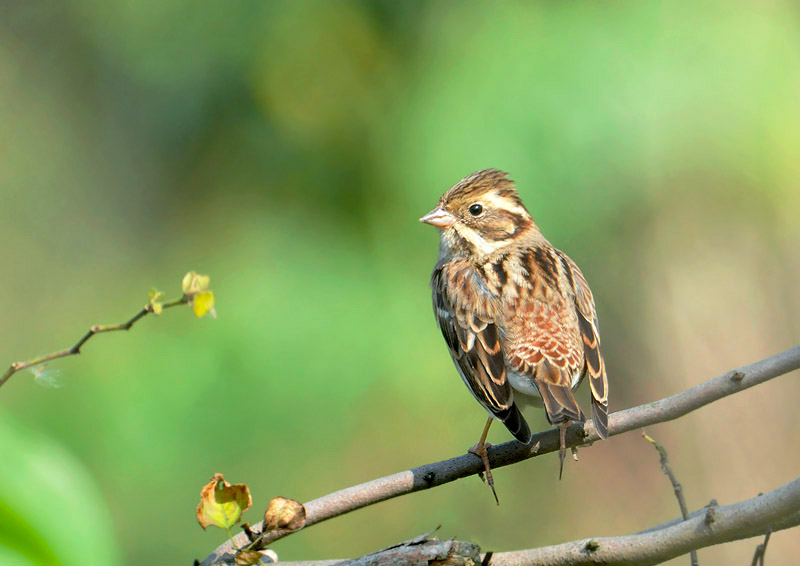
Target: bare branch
x=655 y=545
x=676 y=485
x=761 y=550
x=96 y=329
x=787 y=522
x=731 y=522
x=439 y=473
x=421 y=551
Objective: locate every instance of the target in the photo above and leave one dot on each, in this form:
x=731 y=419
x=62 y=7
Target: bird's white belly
x=529 y=392
x=523 y=383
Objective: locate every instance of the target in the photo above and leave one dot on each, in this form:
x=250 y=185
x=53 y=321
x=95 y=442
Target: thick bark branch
x=706 y=527
x=432 y=475
x=767 y=513
x=421 y=551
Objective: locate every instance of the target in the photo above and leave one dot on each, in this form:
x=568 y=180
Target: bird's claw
x=562 y=447
x=481 y=451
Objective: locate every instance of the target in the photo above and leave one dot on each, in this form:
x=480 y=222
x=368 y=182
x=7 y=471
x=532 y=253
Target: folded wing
x=595 y=366
x=474 y=344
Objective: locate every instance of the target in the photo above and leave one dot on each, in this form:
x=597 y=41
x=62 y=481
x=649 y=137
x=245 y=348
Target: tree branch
x=439 y=473
x=676 y=485
x=745 y=519
x=419 y=551
x=655 y=545
x=761 y=550
x=96 y=329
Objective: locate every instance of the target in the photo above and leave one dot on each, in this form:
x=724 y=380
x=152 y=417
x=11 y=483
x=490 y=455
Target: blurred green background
x=287 y=149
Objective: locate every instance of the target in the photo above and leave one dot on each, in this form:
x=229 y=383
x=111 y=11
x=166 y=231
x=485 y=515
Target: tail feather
x=559 y=403
x=516 y=424
x=600 y=418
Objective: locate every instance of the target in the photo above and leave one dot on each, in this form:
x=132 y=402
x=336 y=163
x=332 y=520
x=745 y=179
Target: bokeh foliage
x=287 y=149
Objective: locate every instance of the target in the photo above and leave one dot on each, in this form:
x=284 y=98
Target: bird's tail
x=516 y=424
x=600 y=418
x=559 y=403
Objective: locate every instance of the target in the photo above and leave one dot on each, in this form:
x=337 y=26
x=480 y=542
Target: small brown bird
x=516 y=313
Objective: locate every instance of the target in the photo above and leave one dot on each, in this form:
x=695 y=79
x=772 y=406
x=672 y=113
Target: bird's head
x=481 y=214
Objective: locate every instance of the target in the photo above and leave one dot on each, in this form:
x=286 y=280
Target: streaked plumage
x=516 y=313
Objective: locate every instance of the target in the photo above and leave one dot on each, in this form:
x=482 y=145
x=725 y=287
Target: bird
x=516 y=313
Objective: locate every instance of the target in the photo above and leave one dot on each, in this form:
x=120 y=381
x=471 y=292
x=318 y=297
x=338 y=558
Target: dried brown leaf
x=247 y=558
x=284 y=513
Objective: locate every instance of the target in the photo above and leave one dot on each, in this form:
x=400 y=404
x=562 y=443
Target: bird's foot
x=562 y=447
x=481 y=451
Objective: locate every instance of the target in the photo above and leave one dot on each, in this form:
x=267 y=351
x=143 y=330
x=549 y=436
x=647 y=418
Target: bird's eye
x=475 y=209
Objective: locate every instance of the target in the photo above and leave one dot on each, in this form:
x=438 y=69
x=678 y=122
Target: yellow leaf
x=194 y=283
x=203 y=303
x=202 y=282
x=155 y=301
x=222 y=504
x=187 y=281
x=284 y=513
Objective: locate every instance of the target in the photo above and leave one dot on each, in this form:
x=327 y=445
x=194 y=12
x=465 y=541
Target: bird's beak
x=439 y=217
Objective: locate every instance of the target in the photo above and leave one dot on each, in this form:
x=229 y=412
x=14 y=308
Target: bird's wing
x=474 y=342
x=595 y=367
x=544 y=341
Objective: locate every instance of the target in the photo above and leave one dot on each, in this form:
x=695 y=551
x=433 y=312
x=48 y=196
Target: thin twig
x=96 y=329
x=676 y=485
x=761 y=550
x=439 y=473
